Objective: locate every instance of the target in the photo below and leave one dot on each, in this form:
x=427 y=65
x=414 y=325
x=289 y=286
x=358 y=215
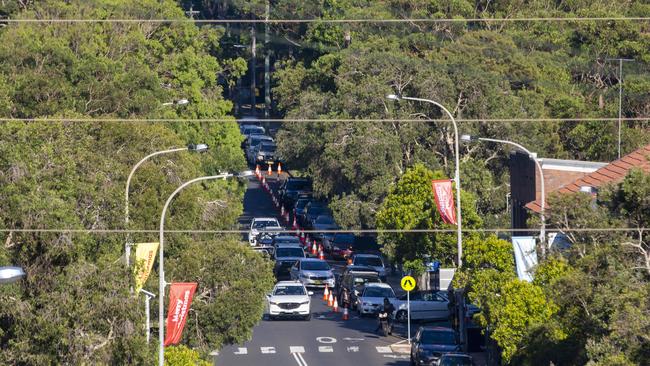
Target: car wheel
x=401 y=316
x=271 y=317
x=307 y=317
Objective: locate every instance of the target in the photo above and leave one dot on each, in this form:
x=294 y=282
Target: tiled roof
x=612 y=172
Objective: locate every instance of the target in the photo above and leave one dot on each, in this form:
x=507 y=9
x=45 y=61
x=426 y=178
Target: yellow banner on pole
x=145 y=255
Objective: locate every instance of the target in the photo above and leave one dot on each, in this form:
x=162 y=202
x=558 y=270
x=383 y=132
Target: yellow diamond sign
x=408 y=283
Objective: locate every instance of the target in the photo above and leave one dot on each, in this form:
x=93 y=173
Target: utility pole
x=620 y=96
x=267 y=62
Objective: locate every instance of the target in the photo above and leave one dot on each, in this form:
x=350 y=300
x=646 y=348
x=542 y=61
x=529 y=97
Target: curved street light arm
x=161 y=262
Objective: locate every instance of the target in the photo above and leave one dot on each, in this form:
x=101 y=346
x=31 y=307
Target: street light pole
x=127 y=246
x=459 y=225
x=161 y=268
x=542 y=232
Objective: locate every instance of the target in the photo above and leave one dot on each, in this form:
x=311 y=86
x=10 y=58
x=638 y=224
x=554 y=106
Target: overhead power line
x=308 y=120
x=316 y=20
x=287 y=231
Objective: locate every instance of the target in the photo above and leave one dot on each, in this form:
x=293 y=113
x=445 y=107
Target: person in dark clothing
x=387 y=310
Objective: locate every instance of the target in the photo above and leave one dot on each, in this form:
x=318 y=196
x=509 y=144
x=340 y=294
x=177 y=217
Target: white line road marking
x=381 y=349
x=353 y=339
x=267 y=349
x=241 y=351
x=298 y=357
x=397 y=356
x=325 y=349
x=353 y=349
x=326 y=340
x=296 y=349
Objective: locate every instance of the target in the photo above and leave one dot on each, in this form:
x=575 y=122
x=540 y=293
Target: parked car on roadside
x=289 y=298
x=339 y=244
x=425 y=305
x=431 y=343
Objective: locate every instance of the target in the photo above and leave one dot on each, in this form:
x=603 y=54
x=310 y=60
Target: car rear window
x=265 y=223
x=362 y=280
x=437 y=337
x=315 y=266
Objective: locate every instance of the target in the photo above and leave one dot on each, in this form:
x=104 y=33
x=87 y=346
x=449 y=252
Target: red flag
x=444 y=195
x=180 y=299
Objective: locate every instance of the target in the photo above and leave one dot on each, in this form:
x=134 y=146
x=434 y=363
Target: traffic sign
x=408 y=283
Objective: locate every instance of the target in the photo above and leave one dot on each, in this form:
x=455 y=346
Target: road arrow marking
x=241 y=351
x=353 y=349
x=267 y=349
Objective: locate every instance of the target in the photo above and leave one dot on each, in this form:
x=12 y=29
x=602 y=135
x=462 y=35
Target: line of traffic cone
x=321 y=256
x=279 y=169
x=314 y=249
x=335 y=305
x=330 y=300
x=326 y=293
x=270 y=171
x=346 y=316
x=257 y=171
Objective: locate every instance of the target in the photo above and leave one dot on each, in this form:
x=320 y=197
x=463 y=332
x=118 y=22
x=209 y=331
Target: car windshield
x=378 y=292
x=325 y=220
x=289 y=252
x=298 y=185
x=368 y=261
x=437 y=337
x=254 y=131
x=359 y=281
x=451 y=360
x=264 y=223
x=267 y=148
x=287 y=240
x=289 y=290
x=315 y=266
x=345 y=239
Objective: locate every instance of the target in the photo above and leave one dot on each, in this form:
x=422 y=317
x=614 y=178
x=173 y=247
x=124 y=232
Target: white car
x=289 y=298
x=260 y=224
x=425 y=305
x=313 y=272
x=371 y=260
x=372 y=298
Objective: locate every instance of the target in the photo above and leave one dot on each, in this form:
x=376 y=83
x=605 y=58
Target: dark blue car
x=431 y=343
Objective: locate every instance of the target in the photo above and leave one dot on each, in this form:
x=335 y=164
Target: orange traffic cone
x=279 y=168
x=330 y=300
x=295 y=224
x=257 y=170
x=326 y=293
x=321 y=255
x=345 y=313
x=270 y=171
x=313 y=248
x=335 y=306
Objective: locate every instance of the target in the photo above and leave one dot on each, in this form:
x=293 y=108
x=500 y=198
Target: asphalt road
x=326 y=340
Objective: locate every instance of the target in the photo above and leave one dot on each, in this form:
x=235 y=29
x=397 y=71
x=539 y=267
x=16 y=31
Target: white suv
x=289 y=298
x=260 y=224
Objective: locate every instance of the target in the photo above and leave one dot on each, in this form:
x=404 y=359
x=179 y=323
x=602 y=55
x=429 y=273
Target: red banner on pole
x=444 y=195
x=180 y=299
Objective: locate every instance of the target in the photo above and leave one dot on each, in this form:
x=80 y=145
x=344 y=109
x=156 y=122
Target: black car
x=430 y=343
x=312 y=210
x=292 y=187
x=351 y=283
x=285 y=258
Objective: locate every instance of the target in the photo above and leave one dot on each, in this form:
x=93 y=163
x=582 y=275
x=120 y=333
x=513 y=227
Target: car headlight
x=366 y=303
x=273 y=303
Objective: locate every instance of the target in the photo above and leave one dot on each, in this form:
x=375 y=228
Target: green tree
x=183 y=356
x=411 y=205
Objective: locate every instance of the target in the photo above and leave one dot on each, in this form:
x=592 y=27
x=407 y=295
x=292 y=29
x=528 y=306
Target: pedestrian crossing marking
x=296 y=349
x=267 y=349
x=326 y=349
x=241 y=351
x=353 y=349
x=382 y=349
x=322 y=349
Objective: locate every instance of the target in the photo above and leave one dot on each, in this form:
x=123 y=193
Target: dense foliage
x=75 y=306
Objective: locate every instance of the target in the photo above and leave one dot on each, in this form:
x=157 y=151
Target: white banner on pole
x=525 y=256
